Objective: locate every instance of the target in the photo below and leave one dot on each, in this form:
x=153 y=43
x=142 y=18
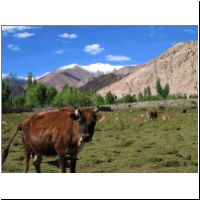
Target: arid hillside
x=178 y=67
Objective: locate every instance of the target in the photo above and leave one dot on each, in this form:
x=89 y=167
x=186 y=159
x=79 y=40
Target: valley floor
x=124 y=143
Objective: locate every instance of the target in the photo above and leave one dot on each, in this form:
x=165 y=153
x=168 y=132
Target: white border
x=99 y=12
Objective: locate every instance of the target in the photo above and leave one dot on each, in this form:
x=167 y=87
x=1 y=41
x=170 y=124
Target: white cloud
x=93 y=49
x=23 y=35
x=7 y=30
x=101 y=68
x=12 y=29
x=13 y=47
x=117 y=58
x=60 y=51
x=68 y=36
x=189 y=31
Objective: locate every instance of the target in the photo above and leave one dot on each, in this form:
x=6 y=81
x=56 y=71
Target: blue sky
x=41 y=49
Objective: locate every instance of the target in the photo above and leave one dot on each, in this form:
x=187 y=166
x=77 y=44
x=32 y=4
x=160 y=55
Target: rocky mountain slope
x=79 y=76
x=16 y=83
x=70 y=76
x=178 y=67
x=106 y=79
x=101 y=82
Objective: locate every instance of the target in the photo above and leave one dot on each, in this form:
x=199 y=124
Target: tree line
x=37 y=95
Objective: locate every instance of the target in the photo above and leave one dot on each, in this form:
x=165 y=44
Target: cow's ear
x=76 y=115
x=96 y=109
x=100 y=118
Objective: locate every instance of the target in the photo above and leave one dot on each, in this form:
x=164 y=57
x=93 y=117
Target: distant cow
x=161 y=109
x=59 y=132
x=105 y=108
x=152 y=114
x=165 y=117
x=184 y=111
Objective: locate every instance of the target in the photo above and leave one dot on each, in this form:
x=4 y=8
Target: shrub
x=18 y=101
x=193 y=96
x=110 y=98
x=128 y=99
x=35 y=96
x=72 y=97
x=98 y=100
x=50 y=95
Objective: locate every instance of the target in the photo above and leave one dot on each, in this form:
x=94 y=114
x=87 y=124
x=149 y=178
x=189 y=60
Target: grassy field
x=123 y=143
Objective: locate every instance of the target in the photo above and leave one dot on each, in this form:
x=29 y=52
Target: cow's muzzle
x=87 y=137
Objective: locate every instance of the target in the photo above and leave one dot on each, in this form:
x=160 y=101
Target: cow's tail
x=6 y=151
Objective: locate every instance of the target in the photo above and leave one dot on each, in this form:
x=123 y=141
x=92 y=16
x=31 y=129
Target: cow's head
x=87 y=119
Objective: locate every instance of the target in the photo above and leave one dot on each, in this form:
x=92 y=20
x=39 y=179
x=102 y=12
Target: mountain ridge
x=177 y=66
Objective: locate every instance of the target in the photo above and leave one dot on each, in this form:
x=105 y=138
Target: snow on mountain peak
x=94 y=68
x=69 y=66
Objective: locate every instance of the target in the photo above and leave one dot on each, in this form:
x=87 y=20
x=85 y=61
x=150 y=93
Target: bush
x=178 y=96
x=193 y=96
x=35 y=96
x=110 y=98
x=50 y=95
x=18 y=102
x=98 y=100
x=128 y=99
x=72 y=97
x=6 y=102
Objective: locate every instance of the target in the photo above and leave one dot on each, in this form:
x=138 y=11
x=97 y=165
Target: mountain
x=66 y=76
x=178 y=66
x=75 y=75
x=16 y=83
x=106 y=79
x=101 y=82
x=16 y=80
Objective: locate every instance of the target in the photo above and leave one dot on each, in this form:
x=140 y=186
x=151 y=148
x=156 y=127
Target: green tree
x=50 y=95
x=145 y=92
x=30 y=80
x=41 y=94
x=18 y=101
x=165 y=92
x=159 y=88
x=34 y=81
x=5 y=96
x=148 y=91
x=35 y=96
x=109 y=98
x=162 y=92
x=140 y=96
x=98 y=100
x=72 y=97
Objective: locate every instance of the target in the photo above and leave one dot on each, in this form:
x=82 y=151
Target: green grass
x=124 y=144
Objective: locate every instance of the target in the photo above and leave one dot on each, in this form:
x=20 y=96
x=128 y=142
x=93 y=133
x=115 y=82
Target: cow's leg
x=37 y=161
x=62 y=164
x=73 y=165
x=27 y=159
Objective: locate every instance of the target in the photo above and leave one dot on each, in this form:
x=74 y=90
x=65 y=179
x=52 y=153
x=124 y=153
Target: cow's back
x=46 y=132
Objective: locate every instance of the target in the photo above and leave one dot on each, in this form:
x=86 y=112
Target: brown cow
x=58 y=132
